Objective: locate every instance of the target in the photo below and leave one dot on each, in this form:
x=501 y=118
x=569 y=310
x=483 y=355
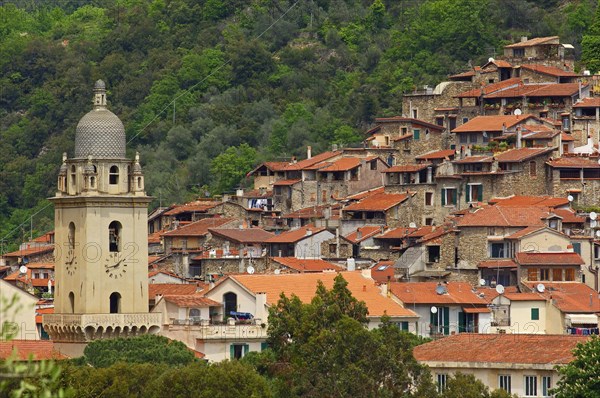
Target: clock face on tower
x=116 y=265
x=71 y=262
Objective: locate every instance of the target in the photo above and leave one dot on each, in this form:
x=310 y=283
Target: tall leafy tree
x=581 y=377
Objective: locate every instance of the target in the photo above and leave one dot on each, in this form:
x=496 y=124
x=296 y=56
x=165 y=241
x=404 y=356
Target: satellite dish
x=517 y=112
x=250 y=269
x=482 y=282
x=23 y=269
x=490 y=59
x=277 y=271
x=485 y=134
x=593 y=216
x=412 y=225
x=540 y=287
x=500 y=289
x=570 y=198
x=441 y=289
x=598 y=234
x=434 y=309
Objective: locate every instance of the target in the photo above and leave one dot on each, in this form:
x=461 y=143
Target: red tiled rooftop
x=459 y=293
x=244 y=235
x=491 y=123
x=161 y=289
x=505 y=263
x=295 y=235
x=306 y=163
x=524 y=201
x=521 y=154
x=525 y=231
x=575 y=162
x=443 y=154
x=197 y=206
x=199 y=228
x=573 y=297
x=364 y=194
x=500 y=348
x=31 y=251
x=48 y=237
x=535 y=42
x=490 y=88
x=499 y=216
x=287 y=182
x=569 y=216
x=475 y=159
x=416 y=122
x=378 y=202
x=566 y=137
x=313 y=212
x=533 y=296
x=589 y=102
x=37 y=349
x=345 y=164
x=557 y=90
x=306 y=265
x=407 y=168
x=397 y=233
x=549 y=70
x=191 y=301
x=549 y=258
x=365 y=232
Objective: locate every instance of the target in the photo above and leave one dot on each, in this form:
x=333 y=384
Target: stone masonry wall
x=472 y=247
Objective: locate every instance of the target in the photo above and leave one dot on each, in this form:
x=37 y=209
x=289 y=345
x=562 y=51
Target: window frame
x=504 y=383
x=530 y=386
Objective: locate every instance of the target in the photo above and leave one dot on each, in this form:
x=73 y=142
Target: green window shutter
x=416 y=134
x=443 y=197
x=446 y=320
x=231 y=351
x=480 y=193
x=577 y=247
x=462 y=322
x=453 y=196
x=246 y=349
x=405 y=326
x=263 y=346
x=468 y=193
x=535 y=314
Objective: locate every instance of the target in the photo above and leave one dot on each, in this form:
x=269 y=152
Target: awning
x=579 y=319
x=476 y=310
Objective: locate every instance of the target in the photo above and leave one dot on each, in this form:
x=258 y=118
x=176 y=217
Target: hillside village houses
x=472 y=213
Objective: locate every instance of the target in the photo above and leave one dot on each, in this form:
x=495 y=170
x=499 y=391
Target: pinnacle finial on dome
x=99 y=95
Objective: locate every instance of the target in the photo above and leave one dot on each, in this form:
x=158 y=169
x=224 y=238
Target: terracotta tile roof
x=28 y=279
x=245 y=235
x=306 y=163
x=314 y=212
x=549 y=258
x=287 y=182
x=152 y=274
x=155 y=236
x=153 y=259
x=403 y=137
x=422 y=231
x=566 y=137
x=459 y=293
x=525 y=232
x=575 y=162
x=549 y=70
x=344 y=164
x=499 y=216
x=407 y=168
x=534 y=42
x=378 y=202
x=306 y=265
x=295 y=235
x=475 y=159
x=588 y=102
x=502 y=64
x=443 y=154
x=524 y=201
x=39 y=350
x=191 y=301
x=507 y=263
x=490 y=88
x=433 y=238
x=468 y=73
x=304 y=286
x=557 y=90
x=200 y=206
x=414 y=122
x=397 y=233
x=48 y=237
x=31 y=251
x=521 y=154
x=200 y=227
x=273 y=166
x=258 y=193
x=574 y=297
x=364 y=194
x=366 y=232
x=161 y=289
x=39 y=312
x=492 y=123
x=533 y=296
x=569 y=216
x=500 y=348
x=49 y=266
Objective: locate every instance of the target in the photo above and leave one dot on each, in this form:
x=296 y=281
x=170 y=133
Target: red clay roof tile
x=306 y=265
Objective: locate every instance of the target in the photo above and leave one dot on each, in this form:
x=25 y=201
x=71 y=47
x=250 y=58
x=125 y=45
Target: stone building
x=101 y=228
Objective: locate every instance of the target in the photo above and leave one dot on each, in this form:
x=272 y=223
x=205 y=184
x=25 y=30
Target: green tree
x=581 y=377
x=231 y=166
x=143 y=349
x=590 y=45
x=462 y=385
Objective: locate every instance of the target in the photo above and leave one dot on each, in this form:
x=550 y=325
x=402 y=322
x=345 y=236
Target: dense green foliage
x=142 y=349
x=462 y=385
x=191 y=79
x=581 y=377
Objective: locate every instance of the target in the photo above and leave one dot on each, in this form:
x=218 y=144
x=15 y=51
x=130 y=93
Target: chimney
x=308 y=152
x=523 y=39
x=358 y=234
x=519 y=137
x=334 y=147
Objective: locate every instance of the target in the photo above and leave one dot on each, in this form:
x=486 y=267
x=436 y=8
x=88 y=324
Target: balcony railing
x=206 y=330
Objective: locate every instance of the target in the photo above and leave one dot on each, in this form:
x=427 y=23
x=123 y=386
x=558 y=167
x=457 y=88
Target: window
x=569 y=275
x=332 y=248
x=474 y=193
x=416 y=134
x=544 y=274
x=237 y=351
x=473 y=138
x=440 y=321
x=71 y=236
x=557 y=274
x=114 y=236
x=486 y=137
x=115 y=303
x=535 y=314
x=415 y=113
x=465 y=119
x=532 y=169
x=504 y=382
x=433 y=254
x=530 y=386
x=448 y=196
x=546 y=385
x=406 y=145
x=230 y=301
x=498 y=250
x=426 y=134
x=113 y=175
x=73 y=175
x=463 y=138
x=518 y=52
x=374 y=164
x=532 y=274
x=72 y=302
x=491 y=231
x=452 y=123
x=428 y=221
x=428 y=198
x=441 y=382
x=576 y=247
x=439 y=121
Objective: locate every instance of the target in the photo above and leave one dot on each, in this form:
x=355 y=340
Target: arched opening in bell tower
x=72 y=302
x=113 y=175
x=114 y=237
x=73 y=176
x=71 y=236
x=115 y=303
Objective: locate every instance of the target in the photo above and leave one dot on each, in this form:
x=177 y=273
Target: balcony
x=204 y=329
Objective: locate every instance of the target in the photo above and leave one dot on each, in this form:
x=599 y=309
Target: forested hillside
x=207 y=89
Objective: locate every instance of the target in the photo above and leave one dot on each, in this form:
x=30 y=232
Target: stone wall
x=231 y=265
x=472 y=247
x=425 y=103
x=590 y=189
x=417 y=205
x=329 y=248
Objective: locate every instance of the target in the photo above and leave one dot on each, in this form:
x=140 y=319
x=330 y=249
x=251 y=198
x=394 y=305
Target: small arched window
x=194 y=312
x=92 y=182
x=113 y=175
x=115 y=303
x=71 y=236
x=114 y=236
x=72 y=302
x=73 y=175
x=139 y=182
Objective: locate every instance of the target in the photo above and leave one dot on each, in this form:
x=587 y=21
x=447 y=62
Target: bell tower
x=101 y=250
